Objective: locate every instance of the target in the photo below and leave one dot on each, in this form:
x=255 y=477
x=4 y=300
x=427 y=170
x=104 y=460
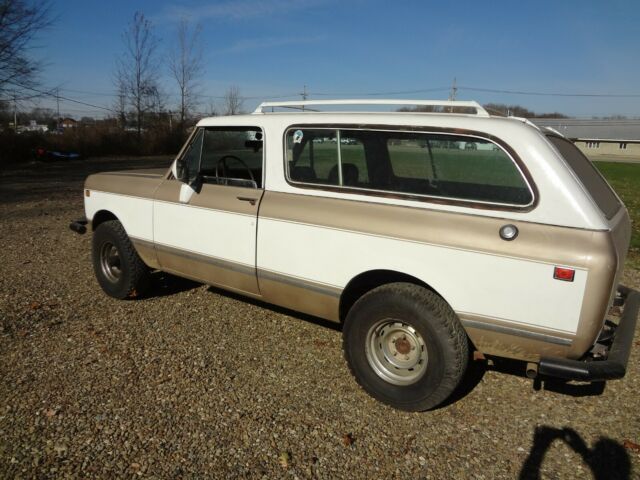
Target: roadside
x=616 y=160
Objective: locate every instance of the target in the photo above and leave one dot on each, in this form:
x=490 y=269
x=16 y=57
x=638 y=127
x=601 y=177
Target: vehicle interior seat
x=350 y=175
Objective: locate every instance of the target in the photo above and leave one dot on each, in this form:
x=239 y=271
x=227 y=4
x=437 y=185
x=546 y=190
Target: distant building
x=32 y=127
x=68 y=123
x=610 y=138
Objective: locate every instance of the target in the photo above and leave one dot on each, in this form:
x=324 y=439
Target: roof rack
x=301 y=105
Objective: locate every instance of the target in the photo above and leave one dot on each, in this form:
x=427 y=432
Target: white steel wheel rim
x=396 y=352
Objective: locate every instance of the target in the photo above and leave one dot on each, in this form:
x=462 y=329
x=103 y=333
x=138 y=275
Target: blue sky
x=274 y=47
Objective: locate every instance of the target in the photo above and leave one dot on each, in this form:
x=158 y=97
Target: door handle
x=251 y=200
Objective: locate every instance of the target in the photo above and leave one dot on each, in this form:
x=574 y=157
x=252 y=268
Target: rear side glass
x=313 y=156
x=452 y=166
x=589 y=175
x=416 y=163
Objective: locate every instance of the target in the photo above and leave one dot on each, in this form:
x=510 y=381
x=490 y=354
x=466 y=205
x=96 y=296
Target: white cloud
x=264 y=43
x=239 y=9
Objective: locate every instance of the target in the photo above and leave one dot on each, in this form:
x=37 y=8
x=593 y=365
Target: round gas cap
x=508 y=232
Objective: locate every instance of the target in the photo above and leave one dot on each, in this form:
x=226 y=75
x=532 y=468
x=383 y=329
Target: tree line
x=141 y=118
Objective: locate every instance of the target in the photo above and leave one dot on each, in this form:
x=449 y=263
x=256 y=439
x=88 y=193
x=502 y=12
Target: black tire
x=124 y=274
x=377 y=321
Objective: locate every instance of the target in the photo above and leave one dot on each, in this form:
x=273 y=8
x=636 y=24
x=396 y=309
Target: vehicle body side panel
x=135 y=213
x=127 y=195
x=461 y=257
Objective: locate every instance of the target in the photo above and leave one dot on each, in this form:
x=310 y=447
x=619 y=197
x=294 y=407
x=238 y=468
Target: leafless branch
x=185 y=65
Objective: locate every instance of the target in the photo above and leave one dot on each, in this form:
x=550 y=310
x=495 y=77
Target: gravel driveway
x=194 y=382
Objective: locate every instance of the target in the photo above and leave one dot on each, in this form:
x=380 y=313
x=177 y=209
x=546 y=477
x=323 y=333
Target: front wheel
x=405 y=346
x=119 y=269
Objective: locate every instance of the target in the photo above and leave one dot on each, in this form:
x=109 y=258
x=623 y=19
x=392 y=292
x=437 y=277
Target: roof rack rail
x=301 y=105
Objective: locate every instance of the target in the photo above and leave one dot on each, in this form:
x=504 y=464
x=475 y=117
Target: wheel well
x=101 y=217
x=367 y=281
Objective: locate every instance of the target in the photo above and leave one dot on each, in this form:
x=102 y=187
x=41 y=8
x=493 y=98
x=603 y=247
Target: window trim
x=480 y=204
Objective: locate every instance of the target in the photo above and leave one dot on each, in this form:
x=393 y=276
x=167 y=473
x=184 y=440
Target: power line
x=374 y=94
x=552 y=94
x=66 y=99
x=55 y=94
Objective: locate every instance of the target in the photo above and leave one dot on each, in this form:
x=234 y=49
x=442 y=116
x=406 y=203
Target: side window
x=416 y=163
x=315 y=156
x=232 y=156
x=312 y=156
x=457 y=167
x=354 y=162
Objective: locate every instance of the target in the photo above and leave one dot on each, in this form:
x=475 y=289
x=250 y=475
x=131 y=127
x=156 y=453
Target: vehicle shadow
x=556 y=385
x=164 y=284
x=472 y=377
x=281 y=310
x=476 y=370
x=607 y=460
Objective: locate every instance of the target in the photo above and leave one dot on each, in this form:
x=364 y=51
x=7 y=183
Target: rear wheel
x=119 y=269
x=405 y=346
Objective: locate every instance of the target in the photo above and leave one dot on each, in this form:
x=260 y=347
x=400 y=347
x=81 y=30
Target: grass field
x=412 y=161
x=625 y=180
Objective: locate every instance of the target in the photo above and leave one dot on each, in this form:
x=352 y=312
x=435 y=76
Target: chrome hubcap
x=110 y=262
x=396 y=352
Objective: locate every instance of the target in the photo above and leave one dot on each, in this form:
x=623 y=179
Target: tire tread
x=445 y=321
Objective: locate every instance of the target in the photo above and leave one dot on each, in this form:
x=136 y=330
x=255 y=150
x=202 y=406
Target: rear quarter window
x=589 y=175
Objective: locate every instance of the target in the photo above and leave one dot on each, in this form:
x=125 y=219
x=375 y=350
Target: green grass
x=412 y=161
x=625 y=180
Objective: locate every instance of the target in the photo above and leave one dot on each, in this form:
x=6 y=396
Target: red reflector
x=565 y=274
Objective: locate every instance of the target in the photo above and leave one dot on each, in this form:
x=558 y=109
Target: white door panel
x=224 y=235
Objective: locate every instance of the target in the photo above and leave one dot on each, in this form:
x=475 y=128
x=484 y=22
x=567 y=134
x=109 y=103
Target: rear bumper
x=615 y=365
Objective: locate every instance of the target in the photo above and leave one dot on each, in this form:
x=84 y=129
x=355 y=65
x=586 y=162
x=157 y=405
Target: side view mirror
x=180 y=171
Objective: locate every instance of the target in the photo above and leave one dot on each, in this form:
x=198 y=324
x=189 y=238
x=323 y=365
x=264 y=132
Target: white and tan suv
x=427 y=235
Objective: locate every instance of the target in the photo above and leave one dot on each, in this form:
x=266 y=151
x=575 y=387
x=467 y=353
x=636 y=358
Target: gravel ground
x=194 y=382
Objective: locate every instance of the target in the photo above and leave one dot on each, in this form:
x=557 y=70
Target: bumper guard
x=615 y=365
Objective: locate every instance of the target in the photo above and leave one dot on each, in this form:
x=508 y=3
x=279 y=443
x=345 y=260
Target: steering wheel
x=223 y=162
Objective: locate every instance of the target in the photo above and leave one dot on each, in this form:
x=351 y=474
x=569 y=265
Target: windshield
x=589 y=175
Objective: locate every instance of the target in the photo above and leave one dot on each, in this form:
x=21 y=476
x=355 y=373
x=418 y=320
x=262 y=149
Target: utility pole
x=452 y=94
x=15 y=114
x=304 y=95
x=454 y=90
x=58 y=104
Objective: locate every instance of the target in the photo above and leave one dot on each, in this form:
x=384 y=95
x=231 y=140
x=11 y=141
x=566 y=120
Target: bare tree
x=213 y=109
x=232 y=101
x=120 y=104
x=185 y=65
x=138 y=69
x=20 y=22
